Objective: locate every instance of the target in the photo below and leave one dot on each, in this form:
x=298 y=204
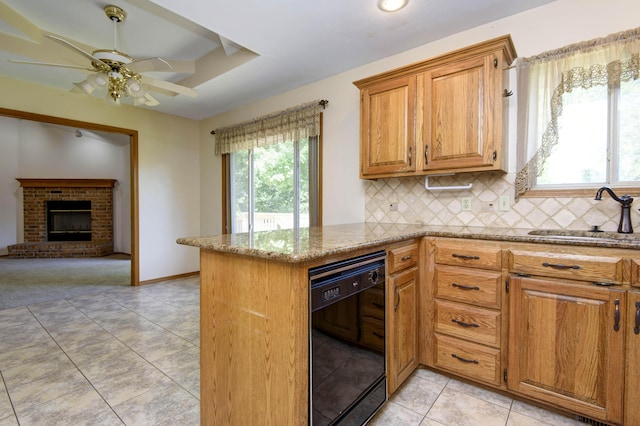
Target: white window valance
x=292 y=124
x=543 y=79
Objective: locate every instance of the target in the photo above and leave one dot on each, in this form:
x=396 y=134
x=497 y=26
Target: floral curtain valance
x=292 y=124
x=543 y=79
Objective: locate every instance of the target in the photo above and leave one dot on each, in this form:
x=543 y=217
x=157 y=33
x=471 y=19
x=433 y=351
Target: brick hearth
x=36 y=193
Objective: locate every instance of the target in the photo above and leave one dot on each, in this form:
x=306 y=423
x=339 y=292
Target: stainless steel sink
x=582 y=235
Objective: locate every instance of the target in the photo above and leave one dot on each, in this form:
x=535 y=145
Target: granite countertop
x=316 y=242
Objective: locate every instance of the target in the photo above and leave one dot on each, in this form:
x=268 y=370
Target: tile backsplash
x=415 y=204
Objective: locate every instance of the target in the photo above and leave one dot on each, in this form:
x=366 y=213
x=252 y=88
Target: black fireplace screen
x=69 y=220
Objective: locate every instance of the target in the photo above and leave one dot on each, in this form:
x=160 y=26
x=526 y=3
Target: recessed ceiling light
x=392 y=5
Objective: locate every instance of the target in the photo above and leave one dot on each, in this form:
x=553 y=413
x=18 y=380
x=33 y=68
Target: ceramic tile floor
x=430 y=399
x=131 y=356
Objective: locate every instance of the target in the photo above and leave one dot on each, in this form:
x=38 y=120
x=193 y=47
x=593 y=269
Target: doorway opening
x=133 y=169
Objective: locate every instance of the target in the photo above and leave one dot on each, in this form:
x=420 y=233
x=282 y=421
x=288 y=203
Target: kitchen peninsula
x=255 y=307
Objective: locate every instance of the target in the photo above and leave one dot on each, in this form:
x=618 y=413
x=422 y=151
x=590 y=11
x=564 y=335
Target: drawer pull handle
x=378 y=305
x=616 y=315
x=560 y=266
x=469 y=361
x=378 y=335
x=405 y=258
x=465 y=287
x=636 y=329
x=466 y=257
x=464 y=324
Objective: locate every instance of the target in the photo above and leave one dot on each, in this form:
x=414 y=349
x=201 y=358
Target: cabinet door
x=461 y=115
x=566 y=345
x=632 y=377
x=387 y=128
x=402 y=349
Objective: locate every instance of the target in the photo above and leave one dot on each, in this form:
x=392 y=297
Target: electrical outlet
x=504 y=203
x=393 y=207
x=465 y=204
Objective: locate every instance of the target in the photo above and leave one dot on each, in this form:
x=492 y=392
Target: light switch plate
x=504 y=205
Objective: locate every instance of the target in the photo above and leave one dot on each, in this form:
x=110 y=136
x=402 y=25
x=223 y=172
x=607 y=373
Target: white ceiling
x=232 y=52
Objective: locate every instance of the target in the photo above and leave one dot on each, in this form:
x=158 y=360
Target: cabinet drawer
x=372 y=304
x=465 y=254
x=566 y=265
x=468 y=359
x=468 y=285
x=372 y=334
x=403 y=257
x=467 y=322
x=635 y=272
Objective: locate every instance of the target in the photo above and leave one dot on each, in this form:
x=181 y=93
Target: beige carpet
x=25 y=282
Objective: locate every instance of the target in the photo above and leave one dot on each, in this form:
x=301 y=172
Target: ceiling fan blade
x=169 y=87
x=151 y=101
x=47 y=64
x=93 y=59
x=151 y=64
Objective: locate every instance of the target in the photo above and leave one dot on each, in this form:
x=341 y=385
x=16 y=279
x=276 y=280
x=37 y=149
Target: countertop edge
x=219 y=244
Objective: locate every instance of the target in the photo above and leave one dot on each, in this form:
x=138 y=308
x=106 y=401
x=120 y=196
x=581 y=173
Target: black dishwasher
x=348 y=376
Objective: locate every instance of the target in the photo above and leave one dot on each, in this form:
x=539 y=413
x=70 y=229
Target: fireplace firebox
x=68 y=220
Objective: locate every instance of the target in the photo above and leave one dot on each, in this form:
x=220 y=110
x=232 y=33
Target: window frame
x=226 y=171
x=613 y=152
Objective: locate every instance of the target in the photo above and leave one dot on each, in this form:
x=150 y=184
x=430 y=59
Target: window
x=272 y=170
x=274 y=187
x=598 y=138
x=579 y=115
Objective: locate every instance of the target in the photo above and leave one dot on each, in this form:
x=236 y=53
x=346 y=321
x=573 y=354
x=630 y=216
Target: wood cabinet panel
x=632 y=376
x=477 y=362
x=254 y=341
x=563 y=347
x=473 y=255
x=459 y=108
x=468 y=285
x=635 y=272
x=387 y=127
x=402 y=323
x=468 y=322
x=608 y=269
x=403 y=257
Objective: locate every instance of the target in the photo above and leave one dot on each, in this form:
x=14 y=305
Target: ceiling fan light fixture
x=391 y=5
x=92 y=82
x=135 y=89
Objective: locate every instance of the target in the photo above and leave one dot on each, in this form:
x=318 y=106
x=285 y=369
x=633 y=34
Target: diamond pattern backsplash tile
x=415 y=204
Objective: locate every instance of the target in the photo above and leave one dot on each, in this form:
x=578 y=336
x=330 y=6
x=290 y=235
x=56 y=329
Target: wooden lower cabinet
x=402 y=325
x=565 y=348
x=632 y=376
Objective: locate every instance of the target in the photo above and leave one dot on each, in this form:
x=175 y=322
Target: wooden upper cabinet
x=387 y=127
x=461 y=129
x=441 y=115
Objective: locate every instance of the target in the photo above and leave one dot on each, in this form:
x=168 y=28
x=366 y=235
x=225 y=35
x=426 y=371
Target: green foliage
x=274 y=167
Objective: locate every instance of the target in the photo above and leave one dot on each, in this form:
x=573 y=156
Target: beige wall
x=168 y=161
x=349 y=199
x=180 y=177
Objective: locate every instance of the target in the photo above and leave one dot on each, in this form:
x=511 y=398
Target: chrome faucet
x=624 y=227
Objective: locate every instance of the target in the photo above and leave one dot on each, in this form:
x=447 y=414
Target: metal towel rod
x=445 y=188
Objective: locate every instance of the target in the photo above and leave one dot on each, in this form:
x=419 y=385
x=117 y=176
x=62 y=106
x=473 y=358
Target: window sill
x=578 y=193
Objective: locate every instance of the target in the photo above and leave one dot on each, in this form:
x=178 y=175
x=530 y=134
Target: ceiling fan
x=117 y=72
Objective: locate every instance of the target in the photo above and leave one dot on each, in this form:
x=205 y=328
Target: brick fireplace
x=38 y=194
